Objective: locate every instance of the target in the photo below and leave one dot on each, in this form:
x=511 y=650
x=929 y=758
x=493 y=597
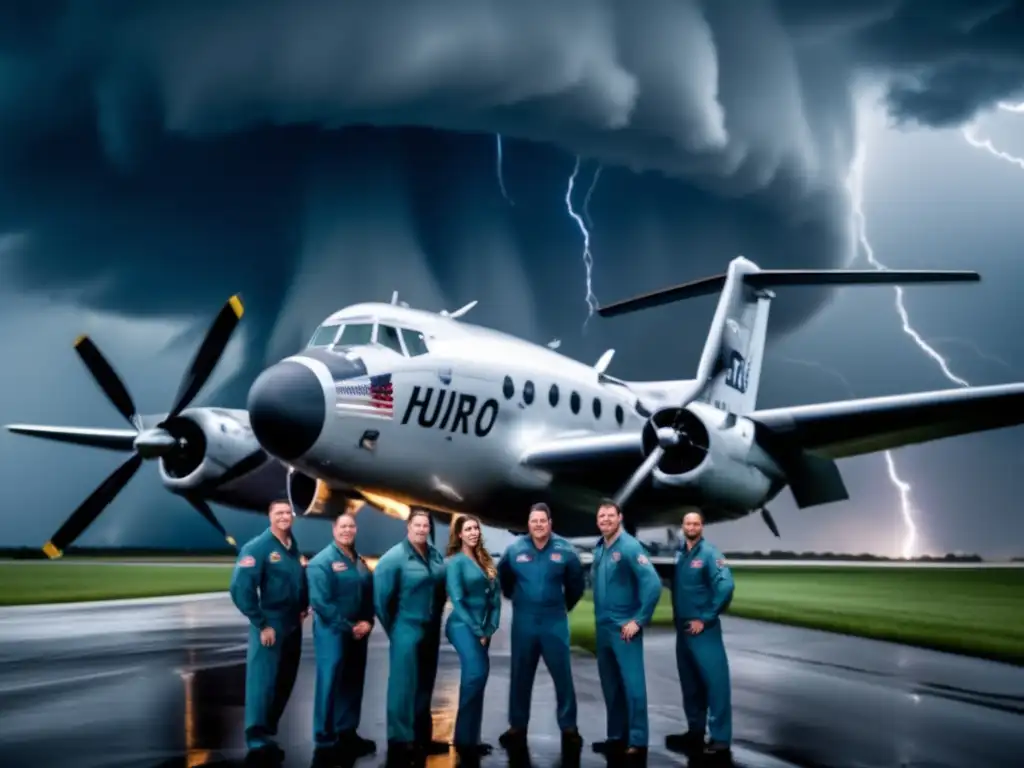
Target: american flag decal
x=382 y=396
x=373 y=396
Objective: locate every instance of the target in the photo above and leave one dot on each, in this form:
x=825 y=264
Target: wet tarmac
x=160 y=684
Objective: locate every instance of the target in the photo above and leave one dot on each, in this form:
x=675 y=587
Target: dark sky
x=156 y=157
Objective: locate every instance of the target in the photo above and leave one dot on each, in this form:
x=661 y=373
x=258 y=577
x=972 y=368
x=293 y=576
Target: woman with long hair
x=408 y=598
x=471 y=578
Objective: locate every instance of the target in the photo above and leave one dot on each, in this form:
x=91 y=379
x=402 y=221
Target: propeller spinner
x=149 y=443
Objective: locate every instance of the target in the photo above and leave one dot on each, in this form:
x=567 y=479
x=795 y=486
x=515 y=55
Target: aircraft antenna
x=394 y=297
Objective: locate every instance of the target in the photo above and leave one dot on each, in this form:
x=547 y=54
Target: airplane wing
x=830 y=430
x=855 y=427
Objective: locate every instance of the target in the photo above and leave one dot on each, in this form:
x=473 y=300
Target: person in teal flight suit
x=471 y=577
x=543 y=577
x=269 y=587
x=409 y=598
x=626 y=592
x=341 y=596
x=702 y=587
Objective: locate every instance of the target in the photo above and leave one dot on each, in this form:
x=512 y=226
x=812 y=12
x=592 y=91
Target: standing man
x=702 y=588
x=269 y=587
x=543 y=577
x=626 y=592
x=341 y=595
x=409 y=598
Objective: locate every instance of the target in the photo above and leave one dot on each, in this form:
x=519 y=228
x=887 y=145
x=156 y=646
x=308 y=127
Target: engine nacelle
x=715 y=455
x=209 y=442
x=310 y=496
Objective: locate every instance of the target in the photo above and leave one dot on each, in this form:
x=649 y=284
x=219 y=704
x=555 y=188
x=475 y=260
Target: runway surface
x=153 y=683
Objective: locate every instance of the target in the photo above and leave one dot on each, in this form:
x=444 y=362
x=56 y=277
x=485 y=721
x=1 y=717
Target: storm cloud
x=156 y=156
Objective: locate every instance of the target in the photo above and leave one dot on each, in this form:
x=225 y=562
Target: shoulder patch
x=616 y=556
x=556 y=557
x=338 y=566
x=275 y=557
x=642 y=559
x=247 y=562
x=721 y=563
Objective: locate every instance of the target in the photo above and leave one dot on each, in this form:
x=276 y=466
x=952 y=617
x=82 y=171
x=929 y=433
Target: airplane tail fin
x=730 y=364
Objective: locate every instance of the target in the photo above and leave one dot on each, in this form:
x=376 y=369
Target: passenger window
x=388 y=336
x=324 y=336
x=414 y=342
x=356 y=333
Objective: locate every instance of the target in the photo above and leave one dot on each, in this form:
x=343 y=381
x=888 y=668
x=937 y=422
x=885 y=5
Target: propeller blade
x=209 y=354
x=254 y=460
x=199 y=505
x=90 y=509
x=639 y=476
x=770 y=522
x=106 y=378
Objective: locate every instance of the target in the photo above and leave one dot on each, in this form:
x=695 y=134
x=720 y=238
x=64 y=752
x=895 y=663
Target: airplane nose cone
x=287 y=409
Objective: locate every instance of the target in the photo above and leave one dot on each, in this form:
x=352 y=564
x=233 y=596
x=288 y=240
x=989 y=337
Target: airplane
x=205 y=454
x=406 y=408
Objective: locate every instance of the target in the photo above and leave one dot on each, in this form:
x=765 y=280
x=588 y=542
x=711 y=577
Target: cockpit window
x=324 y=336
x=388 y=336
x=414 y=342
x=356 y=333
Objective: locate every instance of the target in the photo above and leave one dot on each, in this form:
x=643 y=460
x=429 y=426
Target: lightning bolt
x=902 y=487
x=971 y=137
x=855 y=184
x=588 y=260
x=590 y=193
x=499 y=160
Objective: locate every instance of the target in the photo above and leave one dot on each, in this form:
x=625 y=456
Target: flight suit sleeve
x=648 y=585
x=575 y=581
x=719 y=577
x=457 y=594
x=366 y=605
x=506 y=576
x=321 y=596
x=385 y=592
x=244 y=589
x=494 y=614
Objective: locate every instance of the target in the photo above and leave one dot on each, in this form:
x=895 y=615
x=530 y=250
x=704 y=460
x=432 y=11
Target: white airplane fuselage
x=463 y=415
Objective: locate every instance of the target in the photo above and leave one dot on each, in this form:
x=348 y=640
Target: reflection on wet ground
x=162 y=685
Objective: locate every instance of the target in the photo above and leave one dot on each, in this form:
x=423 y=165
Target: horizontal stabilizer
x=777 y=278
x=110 y=439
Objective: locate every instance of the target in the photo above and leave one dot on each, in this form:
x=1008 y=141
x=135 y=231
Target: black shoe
x=513 y=738
x=401 y=753
x=717 y=755
x=609 y=748
x=326 y=757
x=354 y=745
x=434 y=747
x=635 y=756
x=484 y=749
x=571 y=739
x=689 y=744
x=267 y=755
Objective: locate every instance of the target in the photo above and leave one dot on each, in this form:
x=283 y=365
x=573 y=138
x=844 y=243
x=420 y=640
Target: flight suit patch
x=556 y=557
x=698 y=563
x=720 y=563
x=616 y=556
x=247 y=562
x=642 y=559
x=275 y=557
x=338 y=567
x=523 y=558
